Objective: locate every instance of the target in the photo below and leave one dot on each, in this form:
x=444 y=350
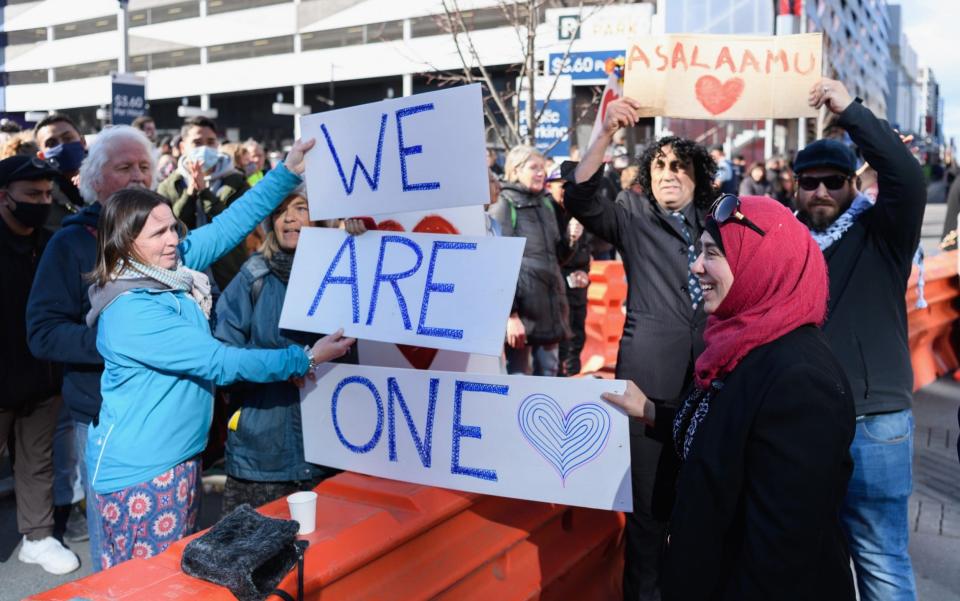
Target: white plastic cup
x=303 y=509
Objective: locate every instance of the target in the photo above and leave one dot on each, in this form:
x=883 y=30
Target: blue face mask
x=66 y=157
x=205 y=155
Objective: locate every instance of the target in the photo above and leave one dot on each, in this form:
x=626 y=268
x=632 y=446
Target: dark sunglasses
x=832 y=182
x=727 y=207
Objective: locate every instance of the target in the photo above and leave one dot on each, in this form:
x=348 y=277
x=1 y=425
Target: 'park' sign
x=543 y=439
x=404 y=154
x=723 y=76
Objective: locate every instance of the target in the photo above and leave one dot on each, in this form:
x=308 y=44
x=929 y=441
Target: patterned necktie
x=693 y=284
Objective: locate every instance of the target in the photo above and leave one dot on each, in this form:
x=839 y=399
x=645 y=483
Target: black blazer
x=758 y=498
x=663 y=334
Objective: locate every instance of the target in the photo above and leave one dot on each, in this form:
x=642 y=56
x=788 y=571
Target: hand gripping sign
x=724 y=76
x=543 y=439
x=425 y=151
x=432 y=290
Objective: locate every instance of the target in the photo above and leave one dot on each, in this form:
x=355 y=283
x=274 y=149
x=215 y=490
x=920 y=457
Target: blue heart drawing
x=566 y=441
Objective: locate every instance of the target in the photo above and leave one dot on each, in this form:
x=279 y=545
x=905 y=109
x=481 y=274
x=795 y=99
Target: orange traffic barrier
x=606 y=299
x=383 y=539
x=933 y=330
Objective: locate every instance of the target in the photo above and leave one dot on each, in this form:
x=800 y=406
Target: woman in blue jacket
x=264 y=457
x=151 y=303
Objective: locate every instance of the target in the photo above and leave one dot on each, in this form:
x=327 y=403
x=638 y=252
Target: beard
x=817 y=221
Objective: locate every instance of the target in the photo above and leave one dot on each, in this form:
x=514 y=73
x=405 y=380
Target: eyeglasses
x=727 y=207
x=832 y=182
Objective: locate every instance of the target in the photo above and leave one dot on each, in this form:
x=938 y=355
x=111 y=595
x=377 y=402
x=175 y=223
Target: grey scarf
x=139 y=276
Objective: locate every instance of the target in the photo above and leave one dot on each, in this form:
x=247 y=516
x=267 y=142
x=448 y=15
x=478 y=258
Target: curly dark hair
x=704 y=167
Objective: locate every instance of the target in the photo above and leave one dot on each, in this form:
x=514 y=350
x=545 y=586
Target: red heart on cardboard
x=717 y=97
x=417 y=356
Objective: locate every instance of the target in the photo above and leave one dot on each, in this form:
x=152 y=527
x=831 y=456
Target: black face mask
x=30 y=214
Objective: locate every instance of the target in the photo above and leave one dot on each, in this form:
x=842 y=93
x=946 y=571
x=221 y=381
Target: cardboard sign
x=464 y=221
x=543 y=439
x=433 y=290
x=723 y=76
x=419 y=152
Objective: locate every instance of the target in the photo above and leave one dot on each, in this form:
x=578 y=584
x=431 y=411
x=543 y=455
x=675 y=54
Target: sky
x=931 y=28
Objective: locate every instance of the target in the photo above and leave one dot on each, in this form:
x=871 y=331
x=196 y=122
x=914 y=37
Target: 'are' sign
x=431 y=290
x=425 y=151
x=724 y=76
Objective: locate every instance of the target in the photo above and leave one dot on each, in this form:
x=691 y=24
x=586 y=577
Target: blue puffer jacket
x=266 y=444
x=161 y=362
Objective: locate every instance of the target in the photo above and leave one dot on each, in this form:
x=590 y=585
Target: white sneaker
x=50 y=554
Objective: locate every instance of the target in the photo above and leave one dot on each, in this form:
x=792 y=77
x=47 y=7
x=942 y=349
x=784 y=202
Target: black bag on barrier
x=247 y=553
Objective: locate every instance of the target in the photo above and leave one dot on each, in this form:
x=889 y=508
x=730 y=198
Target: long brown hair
x=121 y=219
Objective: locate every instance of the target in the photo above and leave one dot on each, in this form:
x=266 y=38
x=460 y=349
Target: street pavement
x=934 y=505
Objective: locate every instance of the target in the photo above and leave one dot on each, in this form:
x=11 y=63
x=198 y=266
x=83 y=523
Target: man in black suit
x=658 y=239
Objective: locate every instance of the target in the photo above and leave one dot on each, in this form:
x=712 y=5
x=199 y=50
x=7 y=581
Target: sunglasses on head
x=34 y=163
x=832 y=182
x=727 y=207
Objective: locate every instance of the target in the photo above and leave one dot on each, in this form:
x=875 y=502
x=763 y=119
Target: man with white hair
x=120 y=158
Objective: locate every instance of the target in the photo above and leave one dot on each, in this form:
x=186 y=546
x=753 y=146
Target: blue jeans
x=546 y=360
x=93 y=516
x=67 y=488
x=874 y=513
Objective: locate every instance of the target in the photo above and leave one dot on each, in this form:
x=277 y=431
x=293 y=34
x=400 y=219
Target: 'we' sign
x=419 y=152
x=724 y=76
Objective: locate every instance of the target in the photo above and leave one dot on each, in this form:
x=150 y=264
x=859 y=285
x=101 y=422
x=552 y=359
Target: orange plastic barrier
x=605 y=316
x=381 y=539
x=932 y=331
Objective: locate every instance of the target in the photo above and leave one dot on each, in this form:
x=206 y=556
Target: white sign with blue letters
x=425 y=151
x=431 y=290
x=542 y=439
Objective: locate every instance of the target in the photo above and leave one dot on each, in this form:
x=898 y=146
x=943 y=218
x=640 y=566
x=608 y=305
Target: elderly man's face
x=128 y=165
x=672 y=179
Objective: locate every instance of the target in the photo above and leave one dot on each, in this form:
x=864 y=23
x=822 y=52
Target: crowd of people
x=764 y=345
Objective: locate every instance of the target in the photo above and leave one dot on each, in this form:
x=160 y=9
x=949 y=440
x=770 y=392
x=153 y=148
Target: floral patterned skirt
x=142 y=520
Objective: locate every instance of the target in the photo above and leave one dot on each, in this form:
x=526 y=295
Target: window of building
x=162 y=14
x=84 y=70
x=221 y=6
x=384 y=32
x=90 y=26
x=32 y=76
x=26 y=36
x=333 y=38
x=250 y=49
x=165 y=60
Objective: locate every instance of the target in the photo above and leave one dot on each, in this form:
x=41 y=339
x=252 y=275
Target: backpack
x=258 y=270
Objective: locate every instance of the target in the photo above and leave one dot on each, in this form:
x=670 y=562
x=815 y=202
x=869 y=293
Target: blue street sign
x=127 y=98
x=552 y=134
x=582 y=65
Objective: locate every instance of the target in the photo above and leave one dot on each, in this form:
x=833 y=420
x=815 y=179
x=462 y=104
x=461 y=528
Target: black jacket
x=757 y=511
x=540 y=300
x=23 y=379
x=869 y=268
x=663 y=334
x=573 y=257
x=57 y=308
